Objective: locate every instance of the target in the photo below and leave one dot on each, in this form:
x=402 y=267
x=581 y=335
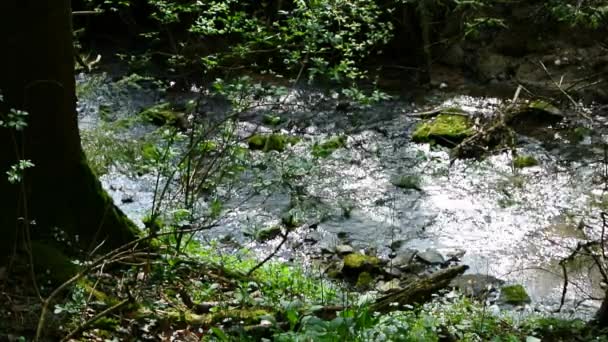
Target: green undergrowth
x=213 y=296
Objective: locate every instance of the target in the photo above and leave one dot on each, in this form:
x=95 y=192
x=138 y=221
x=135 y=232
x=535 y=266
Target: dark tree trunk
x=601 y=317
x=37 y=75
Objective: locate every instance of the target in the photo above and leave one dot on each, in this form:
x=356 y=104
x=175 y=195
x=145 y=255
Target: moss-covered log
x=60 y=191
x=418 y=291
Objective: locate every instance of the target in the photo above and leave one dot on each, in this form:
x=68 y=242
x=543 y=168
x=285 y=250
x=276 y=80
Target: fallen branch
x=418 y=291
x=434 y=112
x=561 y=89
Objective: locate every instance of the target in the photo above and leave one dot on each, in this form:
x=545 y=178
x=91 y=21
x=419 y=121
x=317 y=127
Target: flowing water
x=512 y=224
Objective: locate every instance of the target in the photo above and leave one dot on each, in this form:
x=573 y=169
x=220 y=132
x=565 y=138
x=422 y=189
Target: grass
x=208 y=294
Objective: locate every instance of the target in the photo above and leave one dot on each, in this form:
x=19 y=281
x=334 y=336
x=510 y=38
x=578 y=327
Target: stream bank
x=511 y=224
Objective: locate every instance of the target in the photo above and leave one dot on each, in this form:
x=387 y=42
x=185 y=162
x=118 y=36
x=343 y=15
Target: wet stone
x=393 y=271
x=431 y=256
x=403 y=258
x=396 y=245
x=127 y=198
x=389 y=286
x=344 y=249
x=476 y=285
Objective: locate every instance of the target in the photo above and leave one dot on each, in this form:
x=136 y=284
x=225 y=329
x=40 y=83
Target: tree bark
x=60 y=191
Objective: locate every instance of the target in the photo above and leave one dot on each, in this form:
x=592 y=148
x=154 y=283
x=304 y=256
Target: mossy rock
x=407 y=182
x=52 y=262
x=162 y=114
x=327 y=147
x=268 y=233
x=521 y=162
x=447 y=129
x=355 y=263
x=514 y=294
x=272 y=142
x=364 y=281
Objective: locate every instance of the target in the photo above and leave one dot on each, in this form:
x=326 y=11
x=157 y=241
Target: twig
x=86 y=324
x=561 y=89
x=78 y=13
x=565 y=288
x=276 y=250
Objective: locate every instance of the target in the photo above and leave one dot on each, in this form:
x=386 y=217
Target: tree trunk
x=60 y=191
x=601 y=317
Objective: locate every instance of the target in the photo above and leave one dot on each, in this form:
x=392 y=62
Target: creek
x=514 y=224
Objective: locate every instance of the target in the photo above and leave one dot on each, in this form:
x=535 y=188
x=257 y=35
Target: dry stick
x=111 y=256
x=565 y=288
x=561 y=89
x=602 y=239
x=75 y=13
x=86 y=324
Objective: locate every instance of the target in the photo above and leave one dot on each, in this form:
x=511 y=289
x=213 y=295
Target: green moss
x=327 y=147
x=521 y=162
x=271 y=120
x=95 y=293
x=161 y=114
x=357 y=261
x=268 y=233
x=580 y=133
x=52 y=262
x=272 y=142
x=446 y=129
x=407 y=182
x=364 y=281
x=544 y=106
x=106 y=323
x=290 y=220
x=514 y=294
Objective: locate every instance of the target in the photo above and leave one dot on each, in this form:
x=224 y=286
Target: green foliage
x=327 y=147
x=514 y=294
x=271 y=120
x=524 y=161
x=15 y=174
x=15 y=119
x=588 y=14
x=161 y=114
